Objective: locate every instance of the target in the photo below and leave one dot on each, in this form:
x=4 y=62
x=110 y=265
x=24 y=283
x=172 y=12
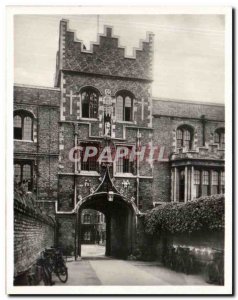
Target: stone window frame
x=205 y=177
x=219 y=137
x=197 y=177
x=209 y=182
x=29 y=181
x=125 y=174
x=89 y=89
x=215 y=178
x=87 y=235
x=182 y=136
x=87 y=218
x=97 y=168
x=124 y=94
x=23 y=116
x=222 y=182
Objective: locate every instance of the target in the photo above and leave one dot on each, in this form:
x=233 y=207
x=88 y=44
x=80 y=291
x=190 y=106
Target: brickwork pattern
x=73 y=83
x=145 y=195
x=33 y=232
x=66 y=231
x=36 y=95
x=106 y=58
x=47 y=177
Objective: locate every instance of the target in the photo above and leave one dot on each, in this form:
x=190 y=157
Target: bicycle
x=56 y=263
x=41 y=273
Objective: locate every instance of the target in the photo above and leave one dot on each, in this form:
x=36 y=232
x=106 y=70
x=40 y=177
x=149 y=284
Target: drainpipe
x=37 y=149
x=203 y=120
x=76 y=250
x=138 y=170
x=137 y=191
x=76 y=237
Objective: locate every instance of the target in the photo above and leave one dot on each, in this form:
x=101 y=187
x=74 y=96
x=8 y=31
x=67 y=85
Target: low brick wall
x=200 y=253
x=33 y=232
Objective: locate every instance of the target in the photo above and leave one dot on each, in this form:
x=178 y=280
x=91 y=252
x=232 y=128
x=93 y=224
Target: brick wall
x=33 y=232
x=47 y=178
x=162 y=182
x=66 y=230
x=36 y=95
x=48 y=118
x=145 y=194
x=43 y=103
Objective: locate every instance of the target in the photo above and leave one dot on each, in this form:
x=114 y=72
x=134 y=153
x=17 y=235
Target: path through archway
x=120 y=223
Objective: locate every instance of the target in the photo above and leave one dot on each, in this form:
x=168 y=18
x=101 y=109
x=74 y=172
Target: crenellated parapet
x=210 y=152
x=105 y=57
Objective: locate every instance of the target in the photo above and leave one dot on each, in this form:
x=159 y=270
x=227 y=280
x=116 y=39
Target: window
x=223 y=182
x=87 y=236
x=87 y=218
x=23 y=126
x=197 y=177
x=124 y=105
x=205 y=183
x=214 y=178
x=197 y=182
x=187 y=139
x=17 y=127
x=102 y=218
x=124 y=165
x=17 y=173
x=23 y=174
x=205 y=178
x=215 y=182
x=181 y=185
x=179 y=138
x=184 y=137
x=219 y=137
x=89 y=100
x=27 y=132
x=98 y=218
x=91 y=163
x=211 y=182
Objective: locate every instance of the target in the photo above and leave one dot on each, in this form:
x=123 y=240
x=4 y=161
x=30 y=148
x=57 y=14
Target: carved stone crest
x=107 y=103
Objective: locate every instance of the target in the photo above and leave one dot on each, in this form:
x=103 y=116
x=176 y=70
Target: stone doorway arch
x=121 y=218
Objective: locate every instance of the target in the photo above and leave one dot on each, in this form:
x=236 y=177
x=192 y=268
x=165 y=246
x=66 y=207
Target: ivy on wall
x=203 y=214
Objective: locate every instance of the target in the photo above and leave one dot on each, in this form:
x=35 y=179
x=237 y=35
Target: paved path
x=92 y=251
x=100 y=270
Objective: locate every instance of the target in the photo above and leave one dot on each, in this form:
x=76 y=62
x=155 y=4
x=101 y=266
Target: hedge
x=203 y=214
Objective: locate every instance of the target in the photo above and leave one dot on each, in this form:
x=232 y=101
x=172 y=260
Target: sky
x=188 y=57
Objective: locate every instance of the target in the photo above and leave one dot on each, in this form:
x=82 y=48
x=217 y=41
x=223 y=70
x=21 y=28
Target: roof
x=191 y=109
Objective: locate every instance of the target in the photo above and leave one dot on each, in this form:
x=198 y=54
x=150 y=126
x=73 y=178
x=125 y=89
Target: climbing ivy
x=203 y=214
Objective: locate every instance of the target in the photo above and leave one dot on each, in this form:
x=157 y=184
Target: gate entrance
x=119 y=219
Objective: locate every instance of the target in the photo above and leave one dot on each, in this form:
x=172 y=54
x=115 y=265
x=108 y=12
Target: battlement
x=105 y=57
x=211 y=152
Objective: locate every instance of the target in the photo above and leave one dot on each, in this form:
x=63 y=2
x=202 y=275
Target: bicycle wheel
x=46 y=276
x=62 y=273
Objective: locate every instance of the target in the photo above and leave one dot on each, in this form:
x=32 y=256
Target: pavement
x=96 y=269
x=92 y=251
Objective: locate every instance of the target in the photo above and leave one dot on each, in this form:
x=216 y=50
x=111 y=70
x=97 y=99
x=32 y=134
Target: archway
x=120 y=223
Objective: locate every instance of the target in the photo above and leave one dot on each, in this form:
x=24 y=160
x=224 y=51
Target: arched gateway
x=121 y=217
